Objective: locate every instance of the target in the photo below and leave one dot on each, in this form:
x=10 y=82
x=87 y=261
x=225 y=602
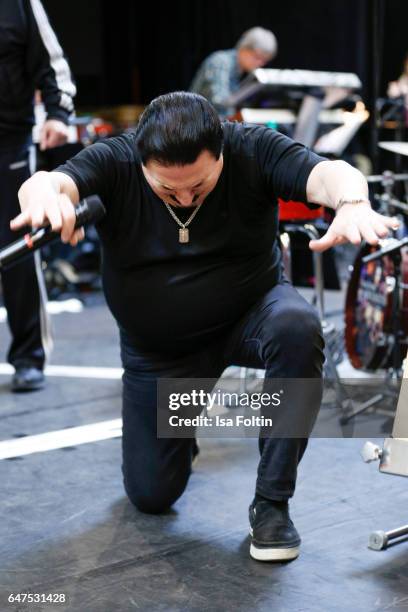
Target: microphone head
x=96 y=209
x=89 y=210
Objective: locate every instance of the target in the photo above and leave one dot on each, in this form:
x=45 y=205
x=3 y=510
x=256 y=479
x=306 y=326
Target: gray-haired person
x=220 y=73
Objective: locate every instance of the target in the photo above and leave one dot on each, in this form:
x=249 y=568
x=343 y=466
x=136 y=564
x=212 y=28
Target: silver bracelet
x=341 y=203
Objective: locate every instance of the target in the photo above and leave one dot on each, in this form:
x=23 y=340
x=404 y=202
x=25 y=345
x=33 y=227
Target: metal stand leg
x=346 y=418
x=379 y=540
x=343 y=401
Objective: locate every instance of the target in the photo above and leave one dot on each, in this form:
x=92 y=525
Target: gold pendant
x=183 y=235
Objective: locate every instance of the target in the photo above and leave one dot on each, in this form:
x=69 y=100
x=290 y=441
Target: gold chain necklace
x=184 y=234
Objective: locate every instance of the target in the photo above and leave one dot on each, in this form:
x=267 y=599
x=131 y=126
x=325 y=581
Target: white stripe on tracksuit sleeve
x=56 y=59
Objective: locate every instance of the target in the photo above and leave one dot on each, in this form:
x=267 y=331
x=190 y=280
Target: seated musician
x=219 y=75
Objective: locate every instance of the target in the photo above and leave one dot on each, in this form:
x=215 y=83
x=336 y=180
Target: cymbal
x=400 y=148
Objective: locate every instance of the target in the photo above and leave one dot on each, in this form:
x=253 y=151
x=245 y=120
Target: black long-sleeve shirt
x=30 y=58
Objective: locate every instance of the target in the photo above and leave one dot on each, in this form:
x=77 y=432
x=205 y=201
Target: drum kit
x=376 y=326
x=376 y=311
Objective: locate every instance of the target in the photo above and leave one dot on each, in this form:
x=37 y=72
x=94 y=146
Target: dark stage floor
x=67 y=527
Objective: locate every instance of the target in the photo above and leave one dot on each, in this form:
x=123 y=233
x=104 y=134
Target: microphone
x=88 y=210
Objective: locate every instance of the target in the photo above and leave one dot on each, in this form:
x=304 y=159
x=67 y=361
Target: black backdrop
x=128 y=51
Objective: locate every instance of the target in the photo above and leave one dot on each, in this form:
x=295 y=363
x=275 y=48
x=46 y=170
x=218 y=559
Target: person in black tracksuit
x=30 y=59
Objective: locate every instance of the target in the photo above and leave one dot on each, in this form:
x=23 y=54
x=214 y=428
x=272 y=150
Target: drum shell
x=368 y=312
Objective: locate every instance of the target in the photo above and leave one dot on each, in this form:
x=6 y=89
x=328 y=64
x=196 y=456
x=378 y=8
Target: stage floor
x=66 y=525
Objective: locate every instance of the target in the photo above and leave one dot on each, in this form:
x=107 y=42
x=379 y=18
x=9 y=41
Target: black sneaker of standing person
x=27 y=378
x=274 y=536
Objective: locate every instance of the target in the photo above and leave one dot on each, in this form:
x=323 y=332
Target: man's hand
x=354 y=223
x=53 y=134
x=41 y=203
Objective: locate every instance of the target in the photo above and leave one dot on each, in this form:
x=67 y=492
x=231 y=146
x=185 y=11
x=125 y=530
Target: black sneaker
x=274 y=536
x=27 y=379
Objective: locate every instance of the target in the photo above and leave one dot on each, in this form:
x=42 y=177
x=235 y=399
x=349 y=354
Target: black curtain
x=129 y=51
x=173 y=38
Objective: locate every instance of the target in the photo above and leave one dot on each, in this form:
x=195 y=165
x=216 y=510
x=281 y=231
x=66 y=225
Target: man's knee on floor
x=153 y=497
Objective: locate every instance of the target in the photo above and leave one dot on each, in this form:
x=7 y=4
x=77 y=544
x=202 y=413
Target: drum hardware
x=380 y=540
x=386 y=199
x=386 y=177
x=330 y=334
x=313 y=234
x=390 y=202
x=333 y=338
x=369 y=345
x=286 y=246
x=402 y=405
x=388 y=247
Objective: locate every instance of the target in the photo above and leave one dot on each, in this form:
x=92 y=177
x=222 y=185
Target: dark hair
x=176 y=127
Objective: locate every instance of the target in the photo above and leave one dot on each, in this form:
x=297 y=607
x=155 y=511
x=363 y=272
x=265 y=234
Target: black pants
x=21 y=290
x=282 y=334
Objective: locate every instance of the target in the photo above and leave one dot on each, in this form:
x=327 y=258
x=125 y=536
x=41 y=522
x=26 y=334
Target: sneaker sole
x=273 y=554
x=36 y=387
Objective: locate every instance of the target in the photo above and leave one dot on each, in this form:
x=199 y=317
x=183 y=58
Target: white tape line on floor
x=72 y=305
x=72 y=371
x=104 y=430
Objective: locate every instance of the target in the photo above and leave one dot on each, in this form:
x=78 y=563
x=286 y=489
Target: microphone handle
x=24 y=247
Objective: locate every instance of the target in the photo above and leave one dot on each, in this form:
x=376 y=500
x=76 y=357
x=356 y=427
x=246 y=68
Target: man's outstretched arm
x=339 y=186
